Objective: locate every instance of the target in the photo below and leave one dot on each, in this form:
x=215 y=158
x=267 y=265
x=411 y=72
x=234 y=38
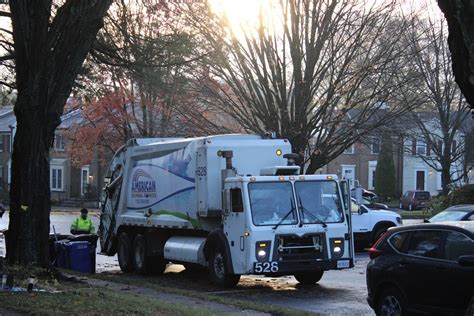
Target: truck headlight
x=337 y=247
x=262 y=250
x=399 y=220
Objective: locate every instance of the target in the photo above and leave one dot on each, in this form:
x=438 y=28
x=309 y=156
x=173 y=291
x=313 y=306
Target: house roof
x=7 y=118
x=71 y=118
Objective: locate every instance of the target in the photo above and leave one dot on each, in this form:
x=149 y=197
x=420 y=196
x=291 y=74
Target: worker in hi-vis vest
x=82 y=224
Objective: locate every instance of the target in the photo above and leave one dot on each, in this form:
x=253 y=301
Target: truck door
x=361 y=219
x=235 y=227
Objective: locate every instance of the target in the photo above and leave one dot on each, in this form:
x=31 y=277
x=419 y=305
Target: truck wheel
x=309 y=277
x=140 y=259
x=217 y=270
x=125 y=253
x=378 y=233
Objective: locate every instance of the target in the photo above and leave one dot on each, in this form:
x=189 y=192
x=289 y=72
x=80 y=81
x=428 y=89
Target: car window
x=457 y=245
x=422 y=195
x=448 y=216
x=471 y=218
x=398 y=240
x=426 y=243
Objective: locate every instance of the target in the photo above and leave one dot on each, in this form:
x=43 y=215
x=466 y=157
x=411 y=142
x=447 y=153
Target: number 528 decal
x=265 y=267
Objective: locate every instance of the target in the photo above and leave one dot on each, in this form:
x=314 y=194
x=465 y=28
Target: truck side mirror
x=362 y=210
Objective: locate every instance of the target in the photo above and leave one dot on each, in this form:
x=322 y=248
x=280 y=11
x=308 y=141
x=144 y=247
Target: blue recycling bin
x=75 y=255
x=80 y=256
x=61 y=254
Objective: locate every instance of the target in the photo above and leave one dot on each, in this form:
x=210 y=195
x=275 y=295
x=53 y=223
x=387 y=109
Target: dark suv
x=426 y=268
x=413 y=200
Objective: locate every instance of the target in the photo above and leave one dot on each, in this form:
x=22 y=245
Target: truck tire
x=309 y=277
x=141 y=262
x=379 y=231
x=124 y=253
x=217 y=270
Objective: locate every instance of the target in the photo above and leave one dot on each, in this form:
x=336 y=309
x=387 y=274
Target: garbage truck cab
x=236 y=204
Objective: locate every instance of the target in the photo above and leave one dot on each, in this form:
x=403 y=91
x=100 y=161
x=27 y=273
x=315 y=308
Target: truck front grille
x=294 y=248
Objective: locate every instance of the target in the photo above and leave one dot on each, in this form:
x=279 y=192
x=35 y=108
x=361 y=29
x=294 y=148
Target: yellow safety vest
x=83 y=224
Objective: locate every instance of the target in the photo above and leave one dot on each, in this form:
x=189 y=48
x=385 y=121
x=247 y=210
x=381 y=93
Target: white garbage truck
x=236 y=204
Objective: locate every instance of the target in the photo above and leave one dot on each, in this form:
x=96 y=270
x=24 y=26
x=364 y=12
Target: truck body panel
x=237 y=194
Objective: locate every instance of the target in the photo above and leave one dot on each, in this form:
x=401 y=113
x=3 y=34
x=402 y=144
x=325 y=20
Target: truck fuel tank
x=186 y=249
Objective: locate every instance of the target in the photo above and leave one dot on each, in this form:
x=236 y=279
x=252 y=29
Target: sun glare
x=241 y=13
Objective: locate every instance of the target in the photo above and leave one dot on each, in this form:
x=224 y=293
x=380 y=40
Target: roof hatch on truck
x=290 y=169
x=280 y=171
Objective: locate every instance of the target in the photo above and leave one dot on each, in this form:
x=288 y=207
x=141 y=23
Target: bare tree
x=51 y=41
x=317 y=72
x=145 y=51
x=442 y=110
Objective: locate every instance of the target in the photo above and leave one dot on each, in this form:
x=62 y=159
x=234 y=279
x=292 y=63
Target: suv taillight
x=373 y=251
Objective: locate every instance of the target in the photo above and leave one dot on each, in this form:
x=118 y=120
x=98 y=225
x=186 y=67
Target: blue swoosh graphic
x=174 y=173
x=166 y=197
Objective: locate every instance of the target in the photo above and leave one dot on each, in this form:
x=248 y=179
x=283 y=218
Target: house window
x=57 y=178
x=420 y=147
x=375 y=145
x=349 y=150
x=58 y=142
x=1 y=144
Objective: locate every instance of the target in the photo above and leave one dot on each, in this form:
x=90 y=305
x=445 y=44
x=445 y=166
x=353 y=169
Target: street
x=338 y=293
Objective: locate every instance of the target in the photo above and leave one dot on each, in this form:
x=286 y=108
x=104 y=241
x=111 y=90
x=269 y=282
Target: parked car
x=463 y=212
x=413 y=200
x=369 y=224
x=426 y=268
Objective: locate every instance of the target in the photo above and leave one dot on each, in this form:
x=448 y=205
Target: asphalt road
x=338 y=293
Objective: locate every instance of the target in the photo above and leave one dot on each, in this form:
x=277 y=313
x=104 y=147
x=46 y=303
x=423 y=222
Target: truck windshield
x=270 y=202
x=319 y=201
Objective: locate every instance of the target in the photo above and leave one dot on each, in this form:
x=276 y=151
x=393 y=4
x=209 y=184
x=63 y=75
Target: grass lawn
x=91 y=301
x=417 y=214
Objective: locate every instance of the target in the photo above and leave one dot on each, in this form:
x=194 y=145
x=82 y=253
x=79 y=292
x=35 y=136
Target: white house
x=417 y=173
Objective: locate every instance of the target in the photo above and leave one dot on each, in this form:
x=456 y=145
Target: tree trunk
x=445 y=180
x=30 y=196
x=458 y=14
x=48 y=56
